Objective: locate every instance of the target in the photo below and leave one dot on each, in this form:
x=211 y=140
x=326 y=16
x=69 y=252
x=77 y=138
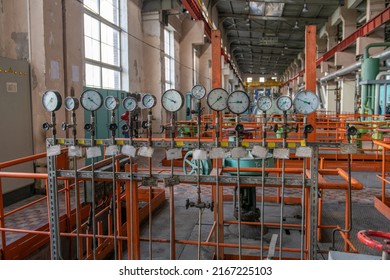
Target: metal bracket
x=172 y=181
x=149 y=181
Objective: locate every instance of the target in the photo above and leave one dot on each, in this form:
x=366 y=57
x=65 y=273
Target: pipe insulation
x=353 y=67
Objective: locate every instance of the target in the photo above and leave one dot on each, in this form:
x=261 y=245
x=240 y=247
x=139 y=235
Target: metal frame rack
x=311 y=182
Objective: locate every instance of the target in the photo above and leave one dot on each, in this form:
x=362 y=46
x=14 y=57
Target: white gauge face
x=306 y=102
x=111 y=103
x=217 y=99
x=71 y=103
x=264 y=103
x=238 y=102
x=198 y=91
x=129 y=103
x=91 y=100
x=51 y=101
x=148 y=101
x=284 y=103
x=172 y=100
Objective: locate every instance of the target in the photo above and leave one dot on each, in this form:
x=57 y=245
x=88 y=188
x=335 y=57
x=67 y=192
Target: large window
x=102 y=43
x=169 y=50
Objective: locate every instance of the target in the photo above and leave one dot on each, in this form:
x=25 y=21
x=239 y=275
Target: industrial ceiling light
x=296 y=26
x=305 y=9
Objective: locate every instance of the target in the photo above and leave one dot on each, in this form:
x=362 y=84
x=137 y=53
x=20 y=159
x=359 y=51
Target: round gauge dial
x=91 y=100
x=111 y=103
x=71 y=103
x=172 y=100
x=198 y=91
x=217 y=99
x=264 y=103
x=51 y=100
x=129 y=103
x=284 y=103
x=238 y=102
x=306 y=102
x=148 y=101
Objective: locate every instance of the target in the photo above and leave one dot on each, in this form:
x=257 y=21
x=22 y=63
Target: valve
x=307 y=129
x=351 y=131
x=113 y=127
x=239 y=128
x=125 y=128
x=125 y=116
x=275 y=128
x=46 y=126
x=88 y=127
x=65 y=126
x=144 y=124
x=199 y=205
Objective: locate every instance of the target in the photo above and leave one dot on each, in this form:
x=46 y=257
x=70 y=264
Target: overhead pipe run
x=353 y=67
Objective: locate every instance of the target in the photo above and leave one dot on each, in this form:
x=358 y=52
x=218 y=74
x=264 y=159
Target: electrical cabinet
x=15 y=119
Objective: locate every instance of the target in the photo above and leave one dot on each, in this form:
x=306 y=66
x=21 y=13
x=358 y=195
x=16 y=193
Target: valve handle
x=88 y=127
x=46 y=126
x=364 y=237
x=144 y=124
x=113 y=126
x=64 y=126
x=125 y=128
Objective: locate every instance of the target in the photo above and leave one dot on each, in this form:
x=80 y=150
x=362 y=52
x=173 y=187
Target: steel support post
x=313 y=204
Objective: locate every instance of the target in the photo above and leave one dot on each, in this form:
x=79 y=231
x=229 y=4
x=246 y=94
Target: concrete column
x=331 y=34
x=348 y=17
x=374 y=7
x=330 y=97
x=154 y=74
x=347 y=103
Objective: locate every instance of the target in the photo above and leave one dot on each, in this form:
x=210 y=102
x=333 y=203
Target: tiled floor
x=36 y=216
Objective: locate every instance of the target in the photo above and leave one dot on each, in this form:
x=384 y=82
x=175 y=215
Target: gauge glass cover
x=51 y=100
x=129 y=103
x=284 y=103
x=111 y=103
x=148 y=101
x=306 y=102
x=238 y=102
x=198 y=91
x=71 y=103
x=91 y=100
x=264 y=103
x=217 y=99
x=172 y=100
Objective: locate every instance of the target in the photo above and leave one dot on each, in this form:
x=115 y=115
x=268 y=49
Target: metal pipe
x=172 y=247
x=263 y=142
x=130 y=219
x=353 y=67
x=239 y=191
x=217 y=184
x=377 y=90
x=150 y=230
x=114 y=216
x=303 y=199
x=93 y=187
x=283 y=185
x=199 y=191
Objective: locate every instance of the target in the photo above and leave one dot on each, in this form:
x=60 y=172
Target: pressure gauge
x=148 y=101
x=111 y=103
x=306 y=102
x=264 y=103
x=284 y=103
x=198 y=91
x=91 y=100
x=71 y=103
x=172 y=100
x=129 y=103
x=238 y=102
x=51 y=100
x=217 y=99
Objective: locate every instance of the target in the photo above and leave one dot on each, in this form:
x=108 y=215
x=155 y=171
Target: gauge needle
x=219 y=98
x=170 y=99
x=304 y=101
x=235 y=102
x=93 y=101
x=111 y=103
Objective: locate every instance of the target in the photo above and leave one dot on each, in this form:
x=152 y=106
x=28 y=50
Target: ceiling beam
x=222 y=17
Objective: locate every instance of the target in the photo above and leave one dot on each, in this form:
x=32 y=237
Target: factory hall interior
x=195 y=130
